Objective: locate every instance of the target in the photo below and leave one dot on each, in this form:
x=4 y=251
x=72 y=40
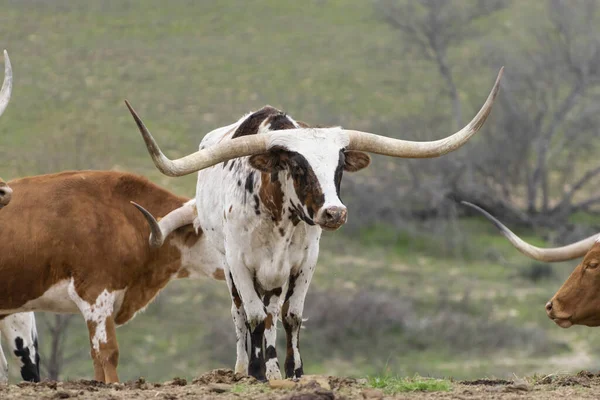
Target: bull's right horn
x=554 y=254
x=6 y=90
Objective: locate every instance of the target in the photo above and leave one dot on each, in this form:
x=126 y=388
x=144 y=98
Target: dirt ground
x=224 y=384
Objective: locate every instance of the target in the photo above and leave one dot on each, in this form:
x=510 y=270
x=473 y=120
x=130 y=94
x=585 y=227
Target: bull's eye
x=592 y=264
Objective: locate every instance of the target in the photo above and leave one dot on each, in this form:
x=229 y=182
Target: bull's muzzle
x=563 y=322
x=331 y=218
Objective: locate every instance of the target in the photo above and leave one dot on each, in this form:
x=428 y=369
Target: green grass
x=392 y=385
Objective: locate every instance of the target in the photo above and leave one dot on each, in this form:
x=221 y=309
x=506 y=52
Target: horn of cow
x=256 y=144
x=564 y=253
x=177 y=218
x=6 y=90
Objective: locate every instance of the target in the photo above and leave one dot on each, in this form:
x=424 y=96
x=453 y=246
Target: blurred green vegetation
x=463 y=306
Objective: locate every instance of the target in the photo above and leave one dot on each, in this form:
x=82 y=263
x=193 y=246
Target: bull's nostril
x=2 y=192
x=549 y=306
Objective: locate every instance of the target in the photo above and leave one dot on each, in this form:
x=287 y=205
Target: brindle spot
x=183 y=273
x=252 y=122
x=239 y=182
x=230 y=207
x=270 y=353
x=281 y=232
x=29 y=371
x=271 y=195
x=219 y=275
x=269 y=322
x=250 y=182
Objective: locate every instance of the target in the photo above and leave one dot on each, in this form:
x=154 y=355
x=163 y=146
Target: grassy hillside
x=396 y=302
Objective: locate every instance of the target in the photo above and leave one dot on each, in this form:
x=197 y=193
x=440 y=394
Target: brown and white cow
x=18 y=330
x=265 y=213
x=72 y=243
x=577 y=302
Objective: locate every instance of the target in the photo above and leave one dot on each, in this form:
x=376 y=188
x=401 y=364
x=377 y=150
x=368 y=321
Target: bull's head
x=577 y=302
x=5 y=92
x=314 y=157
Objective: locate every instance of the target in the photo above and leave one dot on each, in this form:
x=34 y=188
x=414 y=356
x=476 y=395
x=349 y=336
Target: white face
x=316 y=163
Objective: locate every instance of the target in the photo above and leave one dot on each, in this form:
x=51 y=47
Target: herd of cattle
x=267 y=187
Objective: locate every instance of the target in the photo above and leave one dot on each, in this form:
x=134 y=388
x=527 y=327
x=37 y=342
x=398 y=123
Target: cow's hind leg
x=21 y=336
x=271 y=302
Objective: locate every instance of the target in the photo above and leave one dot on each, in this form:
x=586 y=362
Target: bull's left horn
x=6 y=90
x=555 y=254
x=408 y=149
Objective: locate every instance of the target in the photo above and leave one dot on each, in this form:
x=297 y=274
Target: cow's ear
x=356 y=160
x=267 y=162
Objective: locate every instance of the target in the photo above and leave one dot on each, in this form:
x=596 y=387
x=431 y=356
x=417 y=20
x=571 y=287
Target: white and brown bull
x=18 y=330
x=577 y=302
x=267 y=187
x=86 y=251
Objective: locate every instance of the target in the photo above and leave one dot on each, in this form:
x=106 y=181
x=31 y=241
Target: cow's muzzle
x=562 y=321
x=332 y=217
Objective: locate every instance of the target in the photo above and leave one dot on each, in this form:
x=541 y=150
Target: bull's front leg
x=272 y=305
x=255 y=317
x=241 y=330
x=292 y=318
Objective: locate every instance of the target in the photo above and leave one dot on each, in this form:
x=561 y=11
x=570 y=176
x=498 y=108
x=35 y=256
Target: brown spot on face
x=219 y=275
x=271 y=196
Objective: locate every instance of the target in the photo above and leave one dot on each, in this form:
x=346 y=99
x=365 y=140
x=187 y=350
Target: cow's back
x=77 y=225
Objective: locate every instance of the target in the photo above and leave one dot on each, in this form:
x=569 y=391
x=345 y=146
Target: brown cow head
x=577 y=302
x=5 y=193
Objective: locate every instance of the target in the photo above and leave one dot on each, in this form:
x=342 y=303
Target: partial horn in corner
x=177 y=218
x=6 y=90
x=554 y=254
x=387 y=146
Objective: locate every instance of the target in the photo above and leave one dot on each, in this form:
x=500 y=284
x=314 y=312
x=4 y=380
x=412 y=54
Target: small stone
x=519 y=385
x=282 y=384
x=62 y=395
x=320 y=380
x=372 y=394
x=219 y=387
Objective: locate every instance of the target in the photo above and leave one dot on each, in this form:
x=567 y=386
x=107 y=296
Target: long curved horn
x=177 y=218
x=407 y=149
x=6 y=90
x=239 y=147
x=564 y=253
x=256 y=144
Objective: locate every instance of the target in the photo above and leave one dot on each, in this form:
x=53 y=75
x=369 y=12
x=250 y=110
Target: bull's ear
x=266 y=162
x=356 y=160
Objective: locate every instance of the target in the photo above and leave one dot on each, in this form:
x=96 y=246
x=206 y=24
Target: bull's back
x=77 y=225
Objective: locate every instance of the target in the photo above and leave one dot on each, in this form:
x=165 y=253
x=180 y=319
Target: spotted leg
x=255 y=316
x=292 y=319
x=21 y=336
x=271 y=303
x=241 y=330
x=98 y=314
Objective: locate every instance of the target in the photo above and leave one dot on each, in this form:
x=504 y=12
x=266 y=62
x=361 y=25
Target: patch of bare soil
x=223 y=384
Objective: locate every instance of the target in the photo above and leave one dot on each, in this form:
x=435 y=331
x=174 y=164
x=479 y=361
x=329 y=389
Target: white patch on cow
x=598 y=239
x=200 y=260
x=257 y=352
x=20 y=325
x=55 y=299
x=103 y=307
